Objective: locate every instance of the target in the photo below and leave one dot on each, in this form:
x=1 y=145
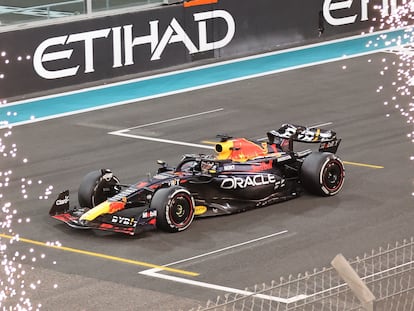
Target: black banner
x=43 y=59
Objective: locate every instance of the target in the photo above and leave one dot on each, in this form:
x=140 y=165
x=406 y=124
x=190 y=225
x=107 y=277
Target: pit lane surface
x=98 y=270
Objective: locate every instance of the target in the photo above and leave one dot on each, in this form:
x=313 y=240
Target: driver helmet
x=206 y=166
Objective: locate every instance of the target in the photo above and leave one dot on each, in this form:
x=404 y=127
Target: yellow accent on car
x=224 y=150
x=318 y=132
x=98 y=210
x=200 y=210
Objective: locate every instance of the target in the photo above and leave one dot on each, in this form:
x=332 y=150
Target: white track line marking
x=154 y=273
x=222 y=288
x=262 y=296
x=222 y=249
x=321 y=124
x=166 y=141
x=170 y=120
x=176 y=142
x=161 y=140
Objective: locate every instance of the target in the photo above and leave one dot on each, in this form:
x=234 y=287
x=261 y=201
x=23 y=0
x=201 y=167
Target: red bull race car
x=242 y=175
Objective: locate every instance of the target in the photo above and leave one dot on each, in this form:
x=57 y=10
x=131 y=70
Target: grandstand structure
x=20 y=12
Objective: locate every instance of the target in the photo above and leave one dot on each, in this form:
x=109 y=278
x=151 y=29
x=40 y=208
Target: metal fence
x=388 y=273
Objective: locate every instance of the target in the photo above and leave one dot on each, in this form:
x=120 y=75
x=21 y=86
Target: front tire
x=323 y=174
x=96 y=187
x=175 y=208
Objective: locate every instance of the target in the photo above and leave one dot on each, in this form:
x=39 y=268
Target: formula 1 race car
x=242 y=175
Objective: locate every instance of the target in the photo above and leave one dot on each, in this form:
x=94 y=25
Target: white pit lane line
x=155 y=273
x=124 y=133
x=165 y=141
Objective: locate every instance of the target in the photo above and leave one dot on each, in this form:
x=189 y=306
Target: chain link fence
x=388 y=273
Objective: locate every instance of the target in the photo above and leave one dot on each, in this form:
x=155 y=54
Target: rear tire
x=96 y=187
x=175 y=208
x=322 y=173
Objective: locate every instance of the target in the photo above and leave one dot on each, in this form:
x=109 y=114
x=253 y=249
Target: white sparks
x=15 y=293
x=400 y=89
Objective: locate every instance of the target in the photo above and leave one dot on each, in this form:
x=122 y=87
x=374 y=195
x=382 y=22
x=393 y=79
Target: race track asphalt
x=96 y=271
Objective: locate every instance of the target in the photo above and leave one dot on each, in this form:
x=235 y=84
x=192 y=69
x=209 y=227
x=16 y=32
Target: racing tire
x=175 y=208
x=96 y=187
x=322 y=173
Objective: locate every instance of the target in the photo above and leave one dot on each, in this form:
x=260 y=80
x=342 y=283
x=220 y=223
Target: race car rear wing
x=327 y=138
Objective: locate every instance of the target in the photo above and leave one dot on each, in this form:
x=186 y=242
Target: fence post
x=88 y=7
x=355 y=283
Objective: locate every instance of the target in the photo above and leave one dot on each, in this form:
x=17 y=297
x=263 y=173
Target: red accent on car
x=244 y=150
x=105 y=226
x=142 y=184
x=262 y=166
x=116 y=206
x=63 y=217
x=190 y=3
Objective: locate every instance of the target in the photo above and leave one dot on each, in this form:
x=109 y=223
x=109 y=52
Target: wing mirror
x=164 y=166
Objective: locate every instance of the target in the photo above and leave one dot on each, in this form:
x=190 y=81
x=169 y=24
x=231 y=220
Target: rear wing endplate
x=327 y=138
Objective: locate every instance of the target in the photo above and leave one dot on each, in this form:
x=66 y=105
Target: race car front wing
x=117 y=222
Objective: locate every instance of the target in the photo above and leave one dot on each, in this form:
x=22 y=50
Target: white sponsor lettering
x=330 y=7
x=123 y=40
x=64 y=201
x=253 y=181
x=127 y=221
x=40 y=57
x=202 y=29
x=149 y=214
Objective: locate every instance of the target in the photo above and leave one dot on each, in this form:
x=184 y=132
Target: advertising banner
x=104 y=49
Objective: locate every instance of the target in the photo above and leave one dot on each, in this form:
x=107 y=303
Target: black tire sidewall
x=88 y=194
x=165 y=200
x=313 y=173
